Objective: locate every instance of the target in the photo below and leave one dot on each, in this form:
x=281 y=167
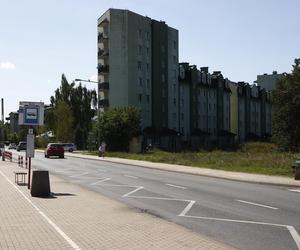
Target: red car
x=54 y=149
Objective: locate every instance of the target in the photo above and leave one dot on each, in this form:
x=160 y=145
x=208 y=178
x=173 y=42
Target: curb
x=297 y=185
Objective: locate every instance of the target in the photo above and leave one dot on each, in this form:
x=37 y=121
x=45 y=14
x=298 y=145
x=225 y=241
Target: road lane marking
x=295 y=235
x=131 y=176
x=78 y=175
x=103 y=180
x=257 y=204
x=295 y=190
x=57 y=229
x=133 y=191
x=171 y=185
x=62 y=171
x=187 y=208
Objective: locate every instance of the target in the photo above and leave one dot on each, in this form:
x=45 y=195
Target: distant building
x=268 y=81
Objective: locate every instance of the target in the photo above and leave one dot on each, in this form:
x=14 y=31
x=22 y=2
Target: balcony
x=101 y=37
x=103 y=86
x=102 y=54
x=103 y=69
x=103 y=103
x=103 y=22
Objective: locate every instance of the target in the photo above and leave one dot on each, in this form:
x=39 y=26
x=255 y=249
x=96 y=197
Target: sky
x=42 y=39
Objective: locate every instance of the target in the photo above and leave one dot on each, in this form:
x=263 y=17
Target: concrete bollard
x=40 y=184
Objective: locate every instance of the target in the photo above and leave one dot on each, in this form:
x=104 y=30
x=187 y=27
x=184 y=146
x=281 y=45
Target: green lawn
x=259 y=158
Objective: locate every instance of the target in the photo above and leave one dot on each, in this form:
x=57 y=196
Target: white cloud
x=7 y=66
x=94 y=78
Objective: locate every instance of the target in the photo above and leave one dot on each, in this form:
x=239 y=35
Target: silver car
x=69 y=147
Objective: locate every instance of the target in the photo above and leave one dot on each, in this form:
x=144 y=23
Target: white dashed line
x=295 y=190
x=97 y=182
x=257 y=204
x=171 y=185
x=130 y=176
x=57 y=229
x=63 y=171
x=78 y=175
x=133 y=191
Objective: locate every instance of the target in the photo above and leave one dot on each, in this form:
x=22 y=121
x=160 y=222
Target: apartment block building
x=138 y=66
x=204 y=107
x=254 y=112
x=268 y=81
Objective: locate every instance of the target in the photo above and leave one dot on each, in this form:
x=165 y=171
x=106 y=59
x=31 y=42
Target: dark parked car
x=22 y=145
x=54 y=149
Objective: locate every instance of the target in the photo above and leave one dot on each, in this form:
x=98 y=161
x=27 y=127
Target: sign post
x=32 y=114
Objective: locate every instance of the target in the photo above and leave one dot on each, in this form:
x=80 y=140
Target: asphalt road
x=244 y=215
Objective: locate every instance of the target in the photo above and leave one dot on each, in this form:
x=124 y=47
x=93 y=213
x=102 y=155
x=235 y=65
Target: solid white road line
x=131 y=176
x=78 y=175
x=57 y=229
x=257 y=204
x=103 y=180
x=133 y=191
x=295 y=190
x=171 y=185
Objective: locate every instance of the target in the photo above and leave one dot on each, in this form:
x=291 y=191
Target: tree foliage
x=286 y=107
x=118 y=126
x=63 y=130
x=82 y=105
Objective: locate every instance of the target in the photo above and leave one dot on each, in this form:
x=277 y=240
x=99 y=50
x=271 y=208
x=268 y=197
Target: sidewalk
x=238 y=176
x=76 y=218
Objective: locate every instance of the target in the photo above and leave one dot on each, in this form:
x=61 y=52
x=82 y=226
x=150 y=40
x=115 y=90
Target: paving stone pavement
x=76 y=218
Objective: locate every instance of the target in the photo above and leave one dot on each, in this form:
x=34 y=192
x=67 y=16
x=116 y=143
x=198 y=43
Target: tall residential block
x=268 y=81
x=137 y=66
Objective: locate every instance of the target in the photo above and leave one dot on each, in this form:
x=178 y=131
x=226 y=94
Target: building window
x=147 y=51
x=140 y=33
x=174 y=116
x=147 y=36
x=139 y=65
x=148 y=83
x=174 y=102
x=162 y=48
x=174 y=87
x=163 y=78
x=140 y=81
x=140 y=49
x=174 y=44
x=214 y=106
x=147 y=65
x=162 y=63
x=209 y=106
x=148 y=98
x=174 y=59
x=140 y=98
x=182 y=116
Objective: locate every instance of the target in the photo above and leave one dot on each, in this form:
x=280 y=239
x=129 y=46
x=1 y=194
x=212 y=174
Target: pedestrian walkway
x=238 y=176
x=77 y=218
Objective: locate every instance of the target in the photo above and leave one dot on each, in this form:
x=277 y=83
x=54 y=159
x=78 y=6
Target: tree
x=64 y=131
x=82 y=105
x=118 y=126
x=286 y=106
